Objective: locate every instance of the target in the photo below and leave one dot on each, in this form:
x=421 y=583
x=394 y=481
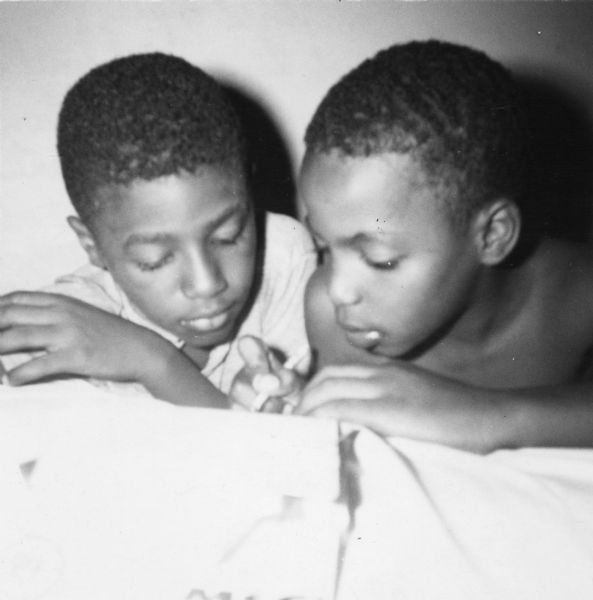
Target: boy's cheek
x=139 y=283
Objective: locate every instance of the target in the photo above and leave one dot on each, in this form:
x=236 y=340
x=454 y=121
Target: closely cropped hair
x=455 y=111
x=142 y=117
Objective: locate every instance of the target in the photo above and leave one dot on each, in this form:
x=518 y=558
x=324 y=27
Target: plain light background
x=282 y=55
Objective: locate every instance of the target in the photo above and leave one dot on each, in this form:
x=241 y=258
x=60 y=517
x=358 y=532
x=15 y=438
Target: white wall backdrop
x=283 y=55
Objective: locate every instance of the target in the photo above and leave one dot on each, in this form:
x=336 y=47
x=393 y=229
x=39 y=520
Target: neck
x=199 y=356
x=497 y=300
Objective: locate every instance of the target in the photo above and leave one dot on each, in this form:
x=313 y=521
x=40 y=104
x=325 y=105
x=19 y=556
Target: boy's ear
x=87 y=241
x=497 y=227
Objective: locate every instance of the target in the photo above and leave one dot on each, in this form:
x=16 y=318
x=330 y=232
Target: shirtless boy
x=429 y=318
x=425 y=323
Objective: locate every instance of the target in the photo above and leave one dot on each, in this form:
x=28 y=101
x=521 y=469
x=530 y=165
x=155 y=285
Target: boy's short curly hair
x=143 y=116
x=454 y=110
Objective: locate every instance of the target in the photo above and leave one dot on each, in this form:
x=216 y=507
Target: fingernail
x=266 y=383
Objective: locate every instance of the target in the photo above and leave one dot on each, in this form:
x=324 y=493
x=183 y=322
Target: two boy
x=425 y=322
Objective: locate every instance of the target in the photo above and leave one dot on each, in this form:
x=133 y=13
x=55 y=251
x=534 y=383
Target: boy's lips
x=207 y=323
x=362 y=337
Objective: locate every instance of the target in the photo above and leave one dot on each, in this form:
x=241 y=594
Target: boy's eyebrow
x=153 y=238
x=156 y=238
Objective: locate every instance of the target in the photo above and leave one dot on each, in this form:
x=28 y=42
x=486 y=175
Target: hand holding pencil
x=265 y=384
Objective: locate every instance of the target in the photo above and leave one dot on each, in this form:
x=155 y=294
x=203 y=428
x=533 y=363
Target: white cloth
x=107 y=499
x=436 y=523
x=103 y=499
x=277 y=315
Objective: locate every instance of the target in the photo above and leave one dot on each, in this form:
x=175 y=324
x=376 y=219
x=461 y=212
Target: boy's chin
x=366 y=353
x=385 y=351
x=206 y=340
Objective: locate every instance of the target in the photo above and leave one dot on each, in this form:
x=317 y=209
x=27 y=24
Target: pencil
x=290 y=363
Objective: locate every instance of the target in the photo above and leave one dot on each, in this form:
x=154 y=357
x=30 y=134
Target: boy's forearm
x=170 y=375
x=462 y=416
x=556 y=416
x=483 y=420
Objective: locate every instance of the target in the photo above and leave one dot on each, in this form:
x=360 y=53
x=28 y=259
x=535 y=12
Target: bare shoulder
x=565 y=270
x=564 y=274
x=320 y=321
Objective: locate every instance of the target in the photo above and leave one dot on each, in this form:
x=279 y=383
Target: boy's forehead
x=380 y=189
x=205 y=196
x=382 y=199
x=203 y=178
x=326 y=174
x=353 y=227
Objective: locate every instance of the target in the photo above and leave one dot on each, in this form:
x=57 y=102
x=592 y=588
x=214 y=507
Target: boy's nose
x=342 y=285
x=202 y=278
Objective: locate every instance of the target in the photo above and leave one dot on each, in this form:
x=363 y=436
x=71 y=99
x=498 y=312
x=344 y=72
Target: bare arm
x=403 y=400
x=72 y=338
x=396 y=398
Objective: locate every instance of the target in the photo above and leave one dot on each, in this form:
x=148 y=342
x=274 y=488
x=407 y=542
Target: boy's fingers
x=12 y=315
x=30 y=298
x=266 y=374
x=254 y=353
x=381 y=416
x=25 y=337
x=353 y=411
x=242 y=393
x=266 y=383
x=47 y=365
x=344 y=371
x=273 y=405
x=283 y=378
x=330 y=390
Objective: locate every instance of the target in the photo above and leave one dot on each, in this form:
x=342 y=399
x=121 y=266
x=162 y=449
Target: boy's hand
x=70 y=337
x=401 y=399
x=263 y=384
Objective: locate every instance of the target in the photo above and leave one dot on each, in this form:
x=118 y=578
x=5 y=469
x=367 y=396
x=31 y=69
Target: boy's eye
x=154 y=265
x=230 y=234
x=226 y=240
x=383 y=265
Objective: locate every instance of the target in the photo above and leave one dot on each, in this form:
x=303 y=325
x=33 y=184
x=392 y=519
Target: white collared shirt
x=277 y=314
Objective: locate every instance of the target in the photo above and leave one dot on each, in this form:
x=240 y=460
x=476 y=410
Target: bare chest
x=534 y=352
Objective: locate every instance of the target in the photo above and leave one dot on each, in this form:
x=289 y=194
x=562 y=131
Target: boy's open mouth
x=206 y=324
x=362 y=338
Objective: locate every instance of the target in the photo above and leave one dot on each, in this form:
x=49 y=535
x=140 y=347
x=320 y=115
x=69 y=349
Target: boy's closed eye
x=231 y=232
x=151 y=257
x=324 y=252
x=157 y=264
x=376 y=257
x=150 y=252
x=383 y=265
x=382 y=259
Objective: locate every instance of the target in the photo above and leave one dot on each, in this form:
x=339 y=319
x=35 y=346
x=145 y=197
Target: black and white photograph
x=296 y=300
